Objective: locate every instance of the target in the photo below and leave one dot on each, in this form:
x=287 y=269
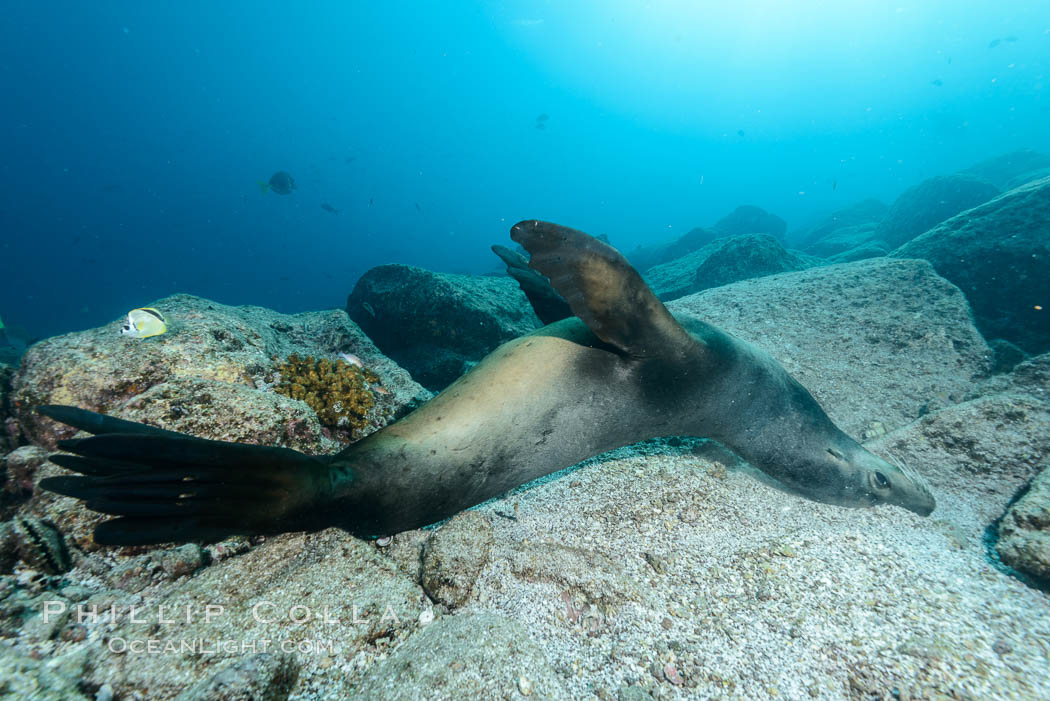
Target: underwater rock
x=1006 y=355
x=437 y=325
x=262 y=677
x=742 y=258
x=818 y=238
x=454 y=555
x=872 y=340
x=999 y=256
x=471 y=655
x=861 y=252
x=748 y=219
x=306 y=590
x=923 y=206
x=55 y=678
x=596 y=578
x=721 y=262
x=20 y=467
x=1012 y=169
x=136 y=573
x=206 y=343
x=8 y=437
x=645 y=257
x=845 y=239
x=1024 y=532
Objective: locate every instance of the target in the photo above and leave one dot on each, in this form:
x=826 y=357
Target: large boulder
x=438 y=325
x=865 y=213
x=1012 y=169
x=721 y=262
x=927 y=204
x=749 y=219
x=999 y=255
x=213 y=374
x=841 y=329
x=844 y=239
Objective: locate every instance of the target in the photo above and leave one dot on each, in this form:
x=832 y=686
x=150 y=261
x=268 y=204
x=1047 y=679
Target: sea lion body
x=623 y=369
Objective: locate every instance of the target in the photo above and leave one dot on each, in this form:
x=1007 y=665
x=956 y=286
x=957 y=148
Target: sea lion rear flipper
x=165 y=486
x=604 y=290
x=548 y=304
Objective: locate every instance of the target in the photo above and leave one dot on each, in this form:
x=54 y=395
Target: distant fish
x=1010 y=39
x=993 y=43
x=368 y=308
x=349 y=159
x=937 y=81
x=541 y=121
x=281 y=182
x=739 y=132
x=541 y=125
x=418 y=208
x=834 y=184
x=371 y=201
x=144 y=323
x=329 y=208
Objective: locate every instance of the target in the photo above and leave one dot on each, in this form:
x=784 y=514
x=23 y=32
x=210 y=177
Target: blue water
x=135 y=132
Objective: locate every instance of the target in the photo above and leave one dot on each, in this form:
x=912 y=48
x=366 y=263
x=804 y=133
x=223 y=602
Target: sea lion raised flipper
x=546 y=302
x=604 y=291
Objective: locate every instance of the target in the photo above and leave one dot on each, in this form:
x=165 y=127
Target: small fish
x=834 y=184
x=543 y=117
x=739 y=132
x=329 y=208
x=368 y=308
x=418 y=208
x=371 y=201
x=351 y=359
x=938 y=82
x=993 y=43
x=1010 y=39
x=349 y=159
x=143 y=323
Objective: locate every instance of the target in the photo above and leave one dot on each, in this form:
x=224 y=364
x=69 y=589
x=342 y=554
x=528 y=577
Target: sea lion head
x=868 y=480
x=840 y=471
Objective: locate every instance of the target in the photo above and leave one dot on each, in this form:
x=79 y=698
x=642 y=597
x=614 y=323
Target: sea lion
x=621 y=370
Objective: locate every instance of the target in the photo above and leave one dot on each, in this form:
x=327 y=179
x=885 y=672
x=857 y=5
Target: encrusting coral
x=339 y=393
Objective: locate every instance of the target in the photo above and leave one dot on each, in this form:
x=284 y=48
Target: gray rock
x=865 y=213
x=720 y=262
x=748 y=219
x=453 y=557
x=1024 y=532
x=471 y=655
x=348 y=595
x=999 y=255
x=592 y=574
x=862 y=252
x=845 y=239
x=873 y=341
x=261 y=677
x=1006 y=355
x=437 y=325
x=1005 y=171
x=55 y=678
x=929 y=203
x=645 y=257
x=742 y=258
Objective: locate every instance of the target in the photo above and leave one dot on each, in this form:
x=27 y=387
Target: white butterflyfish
x=143 y=323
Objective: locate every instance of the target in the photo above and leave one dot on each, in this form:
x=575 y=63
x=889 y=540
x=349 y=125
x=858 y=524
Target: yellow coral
x=337 y=392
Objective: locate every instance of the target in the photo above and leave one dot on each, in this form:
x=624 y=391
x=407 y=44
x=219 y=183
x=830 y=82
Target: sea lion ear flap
x=604 y=290
x=548 y=304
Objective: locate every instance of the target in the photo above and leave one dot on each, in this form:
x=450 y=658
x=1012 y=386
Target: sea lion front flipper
x=604 y=290
x=548 y=304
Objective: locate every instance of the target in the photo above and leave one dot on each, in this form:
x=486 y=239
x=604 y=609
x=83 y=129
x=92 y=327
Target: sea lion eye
x=880 y=481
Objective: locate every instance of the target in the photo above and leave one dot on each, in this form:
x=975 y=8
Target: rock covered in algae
x=212 y=358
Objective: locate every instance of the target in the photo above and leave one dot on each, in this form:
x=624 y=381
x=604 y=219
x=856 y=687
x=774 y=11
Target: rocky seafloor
x=664 y=570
